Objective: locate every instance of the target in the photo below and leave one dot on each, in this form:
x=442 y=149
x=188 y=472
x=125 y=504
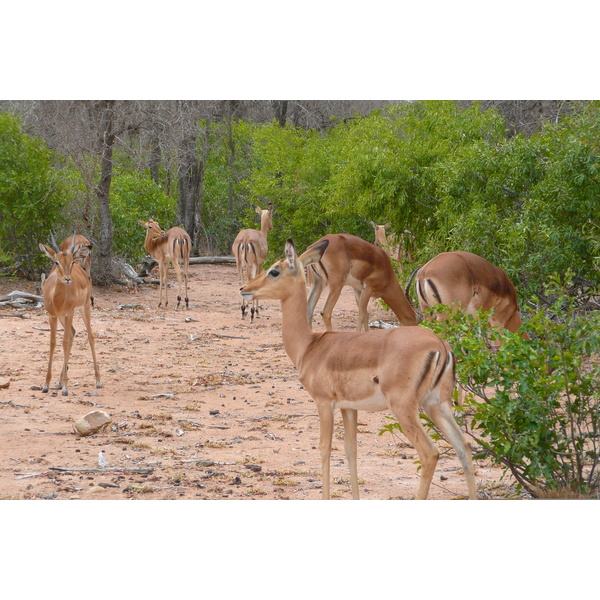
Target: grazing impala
x=350 y=260
x=470 y=283
x=67 y=288
x=403 y=370
x=250 y=249
x=172 y=246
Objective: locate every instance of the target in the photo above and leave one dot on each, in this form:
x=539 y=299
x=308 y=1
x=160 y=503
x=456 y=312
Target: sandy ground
x=203 y=405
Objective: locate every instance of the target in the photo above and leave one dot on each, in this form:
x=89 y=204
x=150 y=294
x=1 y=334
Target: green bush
x=134 y=197
x=30 y=197
x=534 y=406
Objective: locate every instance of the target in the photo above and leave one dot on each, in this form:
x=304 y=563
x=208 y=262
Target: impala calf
x=250 y=249
x=350 y=260
x=402 y=370
x=168 y=247
x=67 y=288
x=470 y=283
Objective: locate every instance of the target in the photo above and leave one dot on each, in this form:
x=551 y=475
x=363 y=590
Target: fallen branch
x=104 y=470
x=22 y=300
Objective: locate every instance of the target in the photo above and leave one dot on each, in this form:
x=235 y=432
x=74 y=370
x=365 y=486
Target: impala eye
x=274 y=273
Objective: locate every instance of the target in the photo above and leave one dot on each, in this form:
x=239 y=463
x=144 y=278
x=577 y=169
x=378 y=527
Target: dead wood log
x=22 y=300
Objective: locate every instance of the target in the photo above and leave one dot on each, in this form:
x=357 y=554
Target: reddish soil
x=208 y=404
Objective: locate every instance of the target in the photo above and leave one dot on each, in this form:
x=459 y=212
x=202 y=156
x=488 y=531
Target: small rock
x=93 y=422
x=255 y=468
x=4 y=383
x=213 y=412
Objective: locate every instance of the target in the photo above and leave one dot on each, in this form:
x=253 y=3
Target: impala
x=403 y=370
x=470 y=283
x=390 y=243
x=350 y=260
x=67 y=288
x=82 y=250
x=82 y=253
x=172 y=246
x=250 y=249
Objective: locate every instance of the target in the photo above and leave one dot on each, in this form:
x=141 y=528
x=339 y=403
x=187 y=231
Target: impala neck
x=265 y=226
x=295 y=329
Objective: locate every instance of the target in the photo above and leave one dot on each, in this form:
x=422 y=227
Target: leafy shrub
x=30 y=196
x=534 y=406
x=136 y=197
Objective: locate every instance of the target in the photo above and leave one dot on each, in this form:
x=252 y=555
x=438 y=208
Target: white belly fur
x=375 y=403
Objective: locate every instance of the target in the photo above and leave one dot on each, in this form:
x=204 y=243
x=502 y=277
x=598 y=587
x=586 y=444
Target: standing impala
x=390 y=243
x=172 y=246
x=250 y=249
x=350 y=260
x=402 y=370
x=67 y=288
x=470 y=283
x=82 y=252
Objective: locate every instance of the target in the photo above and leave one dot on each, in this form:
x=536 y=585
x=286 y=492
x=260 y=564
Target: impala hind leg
x=332 y=297
x=363 y=313
x=350 y=418
x=181 y=279
x=316 y=289
x=86 y=316
x=325 y=438
x=414 y=431
x=441 y=414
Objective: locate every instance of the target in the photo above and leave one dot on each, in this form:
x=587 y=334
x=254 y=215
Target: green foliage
x=30 y=196
x=134 y=196
x=534 y=405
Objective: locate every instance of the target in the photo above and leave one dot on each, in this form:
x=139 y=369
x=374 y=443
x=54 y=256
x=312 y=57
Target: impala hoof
x=65 y=392
x=45 y=389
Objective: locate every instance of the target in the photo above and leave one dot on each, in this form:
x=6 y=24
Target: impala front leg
x=325 y=411
x=53 y=325
x=350 y=418
x=68 y=336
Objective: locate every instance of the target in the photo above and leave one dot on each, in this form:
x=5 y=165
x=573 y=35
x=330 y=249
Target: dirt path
x=204 y=406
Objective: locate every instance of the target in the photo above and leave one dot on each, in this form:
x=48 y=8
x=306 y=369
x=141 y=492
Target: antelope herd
x=402 y=370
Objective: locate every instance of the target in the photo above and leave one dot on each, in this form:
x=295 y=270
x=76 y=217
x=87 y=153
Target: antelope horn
x=74 y=239
x=53 y=242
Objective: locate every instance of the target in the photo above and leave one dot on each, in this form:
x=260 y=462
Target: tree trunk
x=189 y=184
x=198 y=206
x=102 y=264
x=281 y=107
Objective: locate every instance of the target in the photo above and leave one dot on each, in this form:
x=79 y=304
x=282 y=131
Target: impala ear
x=314 y=253
x=46 y=251
x=290 y=254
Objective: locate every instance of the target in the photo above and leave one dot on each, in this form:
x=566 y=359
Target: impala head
x=153 y=229
x=82 y=249
x=63 y=260
x=277 y=282
x=380 y=233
